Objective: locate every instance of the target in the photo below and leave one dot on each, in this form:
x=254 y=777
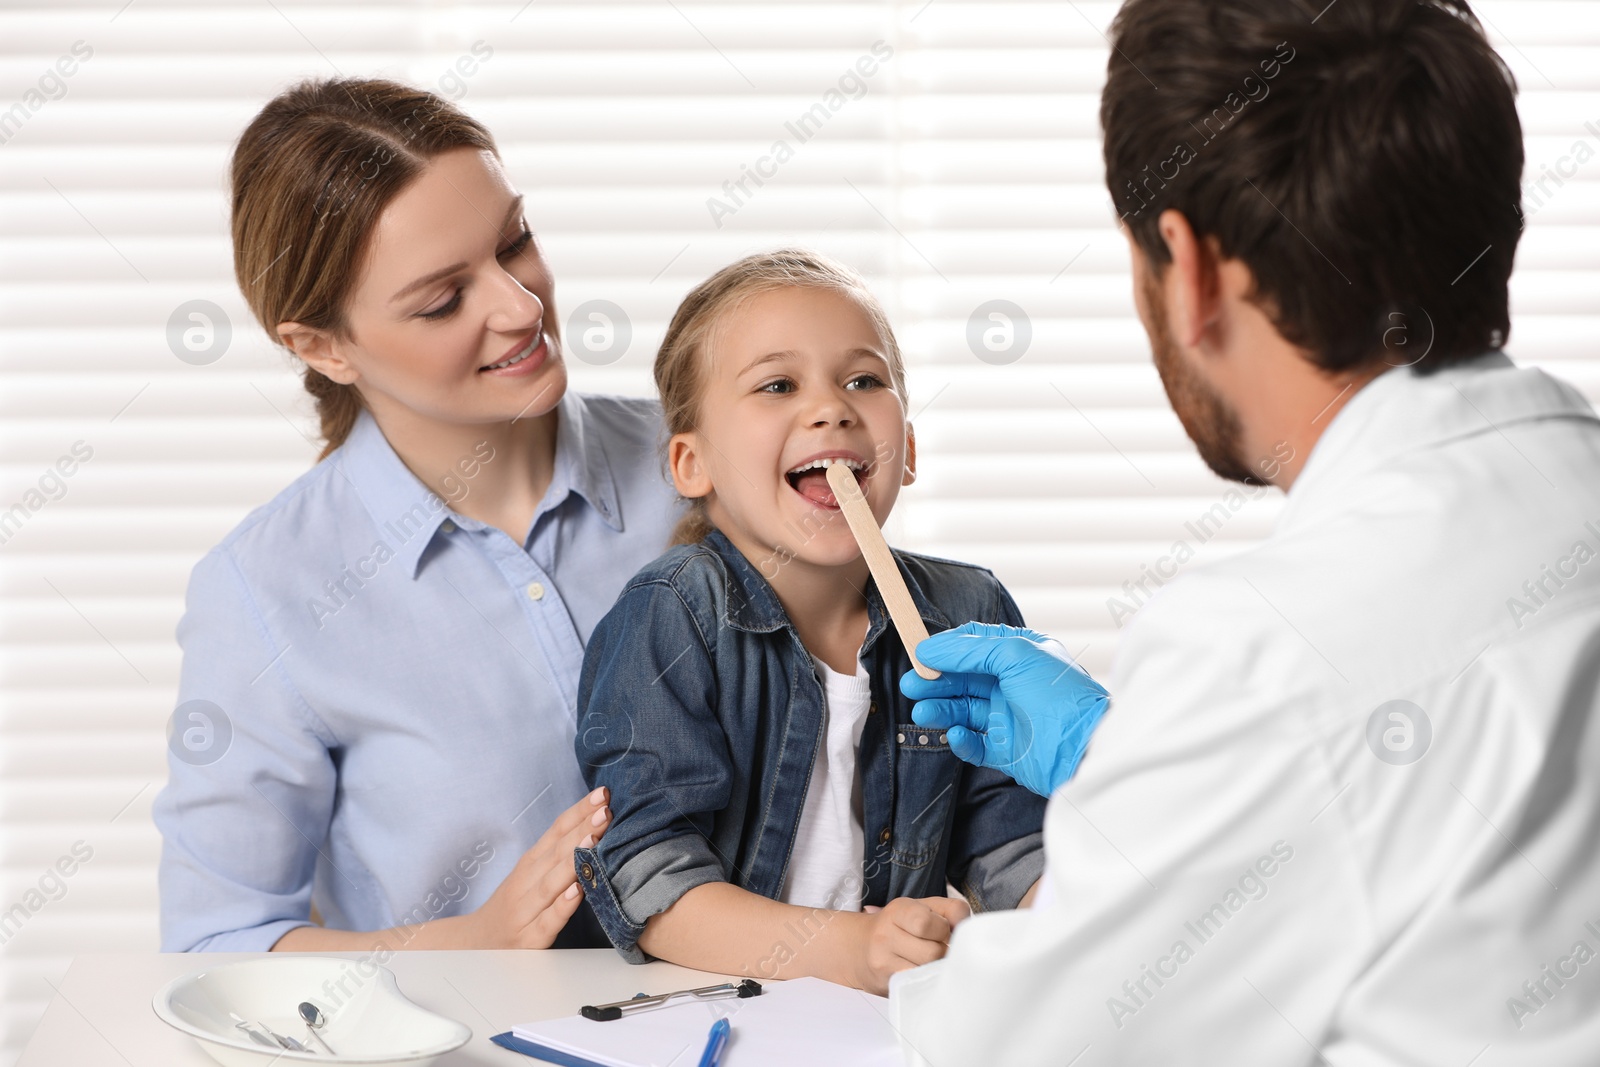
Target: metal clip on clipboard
x=606 y=1012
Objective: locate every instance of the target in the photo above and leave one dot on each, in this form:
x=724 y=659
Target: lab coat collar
x=1402 y=411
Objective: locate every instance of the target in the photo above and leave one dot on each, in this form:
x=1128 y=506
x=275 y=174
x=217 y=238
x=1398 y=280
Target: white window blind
x=962 y=170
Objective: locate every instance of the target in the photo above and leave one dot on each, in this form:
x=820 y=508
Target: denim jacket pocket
x=927 y=774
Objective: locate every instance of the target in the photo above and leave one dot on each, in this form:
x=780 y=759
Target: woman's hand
x=540 y=894
x=528 y=909
x=905 y=933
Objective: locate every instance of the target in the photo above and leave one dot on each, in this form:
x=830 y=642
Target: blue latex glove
x=1008 y=698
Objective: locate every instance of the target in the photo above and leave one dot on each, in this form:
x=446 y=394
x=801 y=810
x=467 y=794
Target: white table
x=101 y=1012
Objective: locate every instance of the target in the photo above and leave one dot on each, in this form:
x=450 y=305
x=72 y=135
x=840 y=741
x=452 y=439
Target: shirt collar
x=582 y=465
x=753 y=605
x=408 y=514
x=1403 y=411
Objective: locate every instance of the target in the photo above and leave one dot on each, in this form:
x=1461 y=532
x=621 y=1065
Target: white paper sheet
x=802 y=1021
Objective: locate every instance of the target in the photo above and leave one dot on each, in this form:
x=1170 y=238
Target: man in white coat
x=1344 y=805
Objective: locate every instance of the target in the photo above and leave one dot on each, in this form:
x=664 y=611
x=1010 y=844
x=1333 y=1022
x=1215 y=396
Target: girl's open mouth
x=810 y=479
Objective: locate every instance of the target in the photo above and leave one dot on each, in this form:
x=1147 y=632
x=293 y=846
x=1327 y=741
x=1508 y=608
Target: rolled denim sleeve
x=997 y=840
x=998 y=879
x=250 y=795
x=648 y=731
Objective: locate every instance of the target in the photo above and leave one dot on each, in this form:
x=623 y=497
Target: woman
x=389 y=650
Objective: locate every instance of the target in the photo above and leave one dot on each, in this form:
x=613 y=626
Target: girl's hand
x=540 y=894
x=907 y=932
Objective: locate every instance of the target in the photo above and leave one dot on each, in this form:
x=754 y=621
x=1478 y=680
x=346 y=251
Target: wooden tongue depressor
x=892 y=587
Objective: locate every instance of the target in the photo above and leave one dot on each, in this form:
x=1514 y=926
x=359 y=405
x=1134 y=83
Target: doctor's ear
x=318 y=350
x=1192 y=283
x=689 y=474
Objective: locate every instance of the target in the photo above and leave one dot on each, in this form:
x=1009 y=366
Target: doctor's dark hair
x=1365 y=163
x=311 y=174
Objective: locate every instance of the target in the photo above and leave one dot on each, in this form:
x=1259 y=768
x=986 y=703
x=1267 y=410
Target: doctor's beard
x=1211 y=424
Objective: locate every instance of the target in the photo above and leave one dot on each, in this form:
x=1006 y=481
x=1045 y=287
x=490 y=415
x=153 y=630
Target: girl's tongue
x=813 y=485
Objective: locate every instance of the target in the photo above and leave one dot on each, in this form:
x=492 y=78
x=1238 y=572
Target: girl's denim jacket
x=700 y=710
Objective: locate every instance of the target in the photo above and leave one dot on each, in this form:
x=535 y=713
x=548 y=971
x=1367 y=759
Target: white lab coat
x=1235 y=876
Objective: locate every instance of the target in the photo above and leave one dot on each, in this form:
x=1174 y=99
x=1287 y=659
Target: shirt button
x=872 y=707
x=536 y=591
x=900 y=738
x=883 y=838
x=588 y=873
x=922 y=739
x=447 y=526
x=944 y=739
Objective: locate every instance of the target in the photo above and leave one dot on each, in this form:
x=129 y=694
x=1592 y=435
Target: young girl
x=775 y=810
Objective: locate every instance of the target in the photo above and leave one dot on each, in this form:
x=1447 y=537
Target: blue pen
x=718 y=1041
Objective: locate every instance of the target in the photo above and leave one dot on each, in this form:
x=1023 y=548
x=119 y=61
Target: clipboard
x=619 y=1009
x=541 y=1052
x=803 y=1022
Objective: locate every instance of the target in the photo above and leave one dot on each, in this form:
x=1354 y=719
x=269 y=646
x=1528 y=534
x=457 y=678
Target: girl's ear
x=318 y=350
x=911 y=456
x=689 y=474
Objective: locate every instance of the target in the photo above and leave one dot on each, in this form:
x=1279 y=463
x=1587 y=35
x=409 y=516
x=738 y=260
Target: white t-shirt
x=825 y=867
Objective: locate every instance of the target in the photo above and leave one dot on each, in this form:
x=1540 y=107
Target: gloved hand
x=1008 y=698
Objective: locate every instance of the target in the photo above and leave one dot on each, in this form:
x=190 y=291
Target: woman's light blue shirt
x=377 y=704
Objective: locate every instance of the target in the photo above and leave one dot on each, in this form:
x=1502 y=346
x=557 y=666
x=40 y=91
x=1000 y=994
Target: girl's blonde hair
x=680 y=362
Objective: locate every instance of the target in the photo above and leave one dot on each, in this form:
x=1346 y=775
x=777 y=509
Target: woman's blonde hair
x=680 y=362
x=311 y=174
